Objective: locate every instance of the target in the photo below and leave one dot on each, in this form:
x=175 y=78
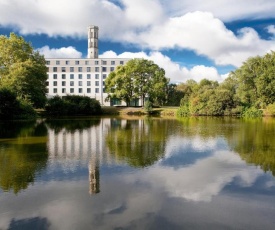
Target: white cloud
x=173 y=70
x=271 y=29
x=207 y=36
x=227 y=10
x=154 y=24
x=64 y=52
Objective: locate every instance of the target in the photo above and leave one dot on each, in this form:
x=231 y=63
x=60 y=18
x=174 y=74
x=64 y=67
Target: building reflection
x=94 y=174
x=136 y=142
x=78 y=146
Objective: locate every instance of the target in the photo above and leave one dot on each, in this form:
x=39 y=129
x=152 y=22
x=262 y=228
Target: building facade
x=82 y=76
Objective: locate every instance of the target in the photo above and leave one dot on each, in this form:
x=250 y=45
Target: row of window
x=80 y=76
x=80 y=83
x=80 y=90
x=87 y=62
x=81 y=69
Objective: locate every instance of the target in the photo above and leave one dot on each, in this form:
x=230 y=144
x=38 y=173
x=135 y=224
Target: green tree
x=174 y=95
x=138 y=78
x=23 y=70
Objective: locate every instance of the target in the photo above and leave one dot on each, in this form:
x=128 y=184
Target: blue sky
x=190 y=39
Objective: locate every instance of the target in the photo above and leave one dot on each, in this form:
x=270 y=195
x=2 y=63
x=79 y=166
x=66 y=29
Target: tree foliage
x=246 y=92
x=139 y=78
x=23 y=70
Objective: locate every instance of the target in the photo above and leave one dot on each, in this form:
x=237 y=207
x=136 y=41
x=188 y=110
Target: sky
x=190 y=39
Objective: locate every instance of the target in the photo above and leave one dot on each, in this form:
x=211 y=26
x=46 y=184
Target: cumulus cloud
x=227 y=10
x=271 y=29
x=207 y=36
x=154 y=24
x=64 y=52
x=173 y=70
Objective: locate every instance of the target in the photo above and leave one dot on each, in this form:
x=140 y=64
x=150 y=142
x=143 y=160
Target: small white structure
x=82 y=76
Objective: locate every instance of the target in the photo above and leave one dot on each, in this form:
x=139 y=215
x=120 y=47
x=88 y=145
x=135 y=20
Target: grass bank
x=121 y=110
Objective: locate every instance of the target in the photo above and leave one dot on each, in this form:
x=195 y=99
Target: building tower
x=93 y=42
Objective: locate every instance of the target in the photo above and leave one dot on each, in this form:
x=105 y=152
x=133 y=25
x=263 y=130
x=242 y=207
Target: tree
x=23 y=70
x=139 y=78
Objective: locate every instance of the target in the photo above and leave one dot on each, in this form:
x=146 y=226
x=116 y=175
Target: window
x=71 y=76
x=88 y=69
x=96 y=83
x=88 y=76
x=67 y=62
x=97 y=76
x=54 y=69
x=63 y=69
x=55 y=83
x=63 y=83
x=96 y=90
x=77 y=62
x=96 y=62
x=104 y=69
x=48 y=69
x=104 y=62
x=54 y=90
x=113 y=62
x=63 y=76
x=96 y=69
x=71 y=83
x=121 y=62
x=79 y=69
x=89 y=90
x=71 y=90
x=55 y=76
x=88 y=83
x=103 y=83
x=48 y=62
x=112 y=69
x=47 y=90
x=71 y=69
x=80 y=76
x=86 y=62
x=80 y=83
x=47 y=83
x=63 y=90
x=104 y=76
x=80 y=90
x=57 y=62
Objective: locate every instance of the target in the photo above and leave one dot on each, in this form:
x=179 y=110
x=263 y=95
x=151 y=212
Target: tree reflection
x=138 y=142
x=21 y=158
x=72 y=125
x=253 y=140
x=255 y=143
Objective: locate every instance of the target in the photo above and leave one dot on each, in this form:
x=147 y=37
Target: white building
x=82 y=76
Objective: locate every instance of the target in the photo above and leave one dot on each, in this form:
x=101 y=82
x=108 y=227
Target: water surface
x=138 y=173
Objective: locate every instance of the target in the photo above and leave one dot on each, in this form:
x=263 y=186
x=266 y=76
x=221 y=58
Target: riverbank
x=166 y=111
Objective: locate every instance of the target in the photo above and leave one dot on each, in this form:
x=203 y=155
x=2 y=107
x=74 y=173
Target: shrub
x=251 y=112
x=270 y=110
x=72 y=105
x=148 y=107
x=183 y=111
x=12 y=108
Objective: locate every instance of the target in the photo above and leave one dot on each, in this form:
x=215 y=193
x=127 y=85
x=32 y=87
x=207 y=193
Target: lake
x=137 y=173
